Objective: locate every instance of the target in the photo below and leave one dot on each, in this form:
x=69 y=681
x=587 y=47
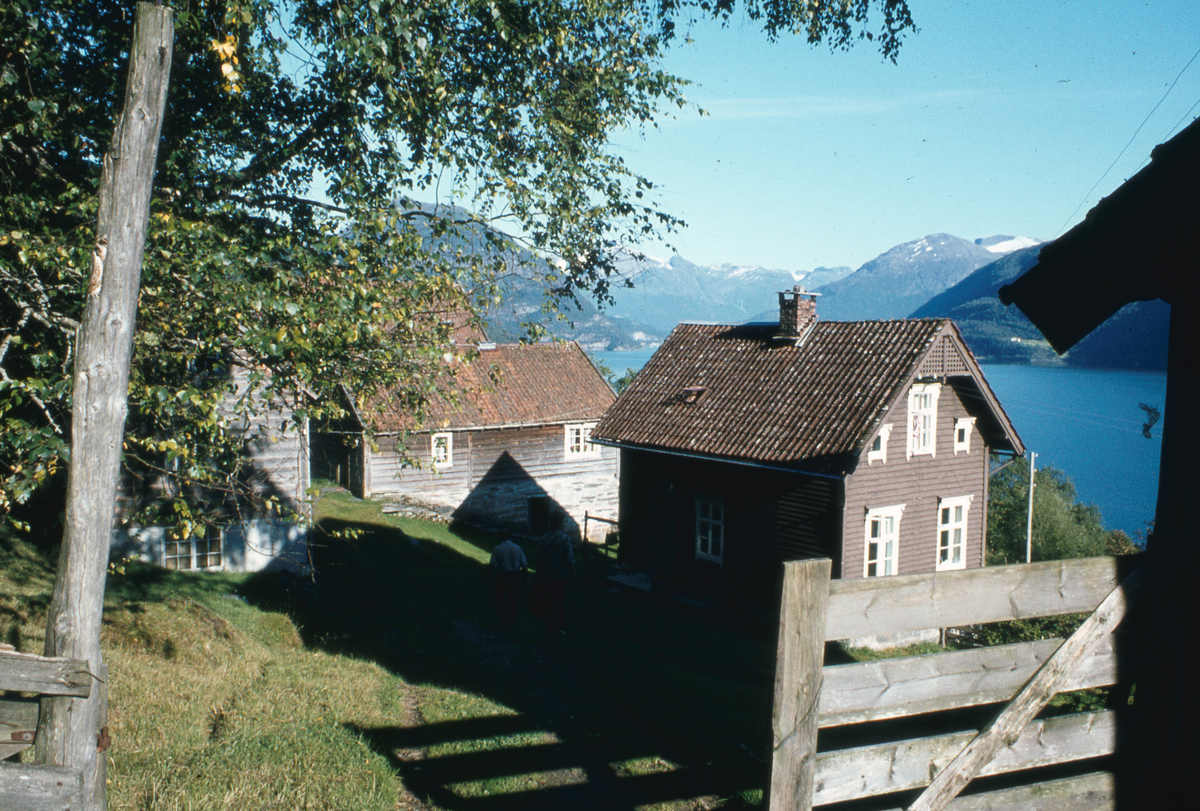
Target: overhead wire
x=1131 y=140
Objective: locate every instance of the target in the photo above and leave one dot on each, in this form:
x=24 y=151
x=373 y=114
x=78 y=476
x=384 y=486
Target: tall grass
x=213 y=703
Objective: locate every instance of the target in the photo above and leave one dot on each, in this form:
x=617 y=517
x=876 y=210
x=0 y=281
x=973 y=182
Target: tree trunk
x=68 y=729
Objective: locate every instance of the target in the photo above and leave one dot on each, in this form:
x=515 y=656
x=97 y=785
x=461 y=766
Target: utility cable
x=1126 y=147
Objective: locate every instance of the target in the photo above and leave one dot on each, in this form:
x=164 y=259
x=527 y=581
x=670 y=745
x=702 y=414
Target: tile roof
x=736 y=392
x=514 y=384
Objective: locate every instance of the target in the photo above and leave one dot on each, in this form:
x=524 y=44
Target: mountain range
x=939 y=275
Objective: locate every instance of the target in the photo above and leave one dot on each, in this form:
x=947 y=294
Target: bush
x=1062 y=527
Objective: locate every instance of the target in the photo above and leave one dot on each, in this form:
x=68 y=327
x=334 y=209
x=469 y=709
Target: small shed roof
x=510 y=385
x=740 y=393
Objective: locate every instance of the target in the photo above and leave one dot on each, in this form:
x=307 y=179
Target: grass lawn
x=389 y=683
x=213 y=703
x=645 y=703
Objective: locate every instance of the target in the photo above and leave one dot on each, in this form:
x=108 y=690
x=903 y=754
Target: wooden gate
x=32 y=786
x=810 y=696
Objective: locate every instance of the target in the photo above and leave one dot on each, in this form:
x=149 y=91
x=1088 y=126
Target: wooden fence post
x=68 y=727
x=799 y=660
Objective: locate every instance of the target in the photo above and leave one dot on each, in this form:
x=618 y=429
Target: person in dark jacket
x=555 y=567
x=508 y=569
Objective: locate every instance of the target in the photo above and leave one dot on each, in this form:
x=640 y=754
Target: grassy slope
x=397 y=688
x=645 y=703
x=215 y=704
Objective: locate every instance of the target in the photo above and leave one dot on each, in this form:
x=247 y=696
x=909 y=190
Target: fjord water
x=1086 y=422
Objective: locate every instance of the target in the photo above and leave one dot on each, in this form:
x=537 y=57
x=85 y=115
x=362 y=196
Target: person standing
x=508 y=569
x=556 y=565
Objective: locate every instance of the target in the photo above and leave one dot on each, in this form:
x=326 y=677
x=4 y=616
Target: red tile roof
x=737 y=392
x=514 y=384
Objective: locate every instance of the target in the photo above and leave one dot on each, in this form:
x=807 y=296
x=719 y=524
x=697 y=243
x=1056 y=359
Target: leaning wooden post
x=798 y=673
x=68 y=728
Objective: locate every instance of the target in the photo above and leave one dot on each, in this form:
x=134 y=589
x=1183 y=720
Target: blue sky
x=998 y=118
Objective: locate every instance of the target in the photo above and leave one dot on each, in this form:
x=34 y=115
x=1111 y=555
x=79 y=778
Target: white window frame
x=886 y=562
x=966 y=425
x=880 y=455
x=710 y=527
x=952 y=525
x=576 y=444
x=183 y=555
x=922 y=419
x=441 y=440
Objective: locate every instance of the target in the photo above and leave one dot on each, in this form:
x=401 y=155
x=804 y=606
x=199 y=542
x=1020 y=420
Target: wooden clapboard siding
x=770 y=517
x=494 y=472
x=918 y=483
x=277 y=449
x=279 y=455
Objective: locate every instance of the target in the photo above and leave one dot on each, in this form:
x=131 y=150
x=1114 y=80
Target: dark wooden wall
x=771 y=516
x=918 y=483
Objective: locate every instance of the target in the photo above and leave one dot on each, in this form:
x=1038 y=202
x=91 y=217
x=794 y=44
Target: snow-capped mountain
x=900 y=280
x=667 y=292
x=1005 y=244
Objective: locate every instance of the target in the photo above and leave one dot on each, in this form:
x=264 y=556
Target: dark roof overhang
x=1134 y=245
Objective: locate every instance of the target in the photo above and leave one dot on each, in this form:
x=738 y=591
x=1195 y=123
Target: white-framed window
x=878 y=449
x=962 y=434
x=922 y=418
x=710 y=529
x=576 y=438
x=441 y=450
x=206 y=551
x=882 y=551
x=952 y=532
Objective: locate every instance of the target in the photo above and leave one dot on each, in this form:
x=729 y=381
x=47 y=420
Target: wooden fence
x=33 y=786
x=810 y=696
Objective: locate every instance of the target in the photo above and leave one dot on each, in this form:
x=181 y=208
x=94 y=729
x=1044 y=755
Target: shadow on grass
x=643 y=702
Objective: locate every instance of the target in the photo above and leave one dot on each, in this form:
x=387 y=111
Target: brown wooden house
x=509 y=448
x=746 y=446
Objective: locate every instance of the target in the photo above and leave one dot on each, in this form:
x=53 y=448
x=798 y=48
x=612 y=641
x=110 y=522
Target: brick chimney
x=797 y=312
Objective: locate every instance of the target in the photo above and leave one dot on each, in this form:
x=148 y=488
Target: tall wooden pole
x=68 y=729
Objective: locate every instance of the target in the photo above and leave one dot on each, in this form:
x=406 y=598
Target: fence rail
x=810 y=696
x=32 y=786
